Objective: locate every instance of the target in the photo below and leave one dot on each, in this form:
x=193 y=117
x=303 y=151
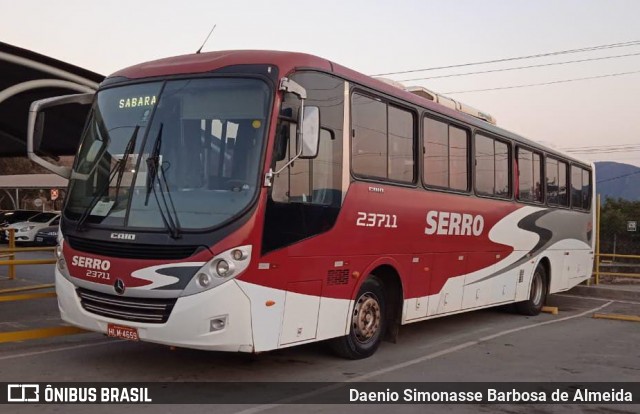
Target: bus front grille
x=132 y=250
x=147 y=310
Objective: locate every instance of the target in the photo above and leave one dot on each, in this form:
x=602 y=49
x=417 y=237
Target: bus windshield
x=184 y=151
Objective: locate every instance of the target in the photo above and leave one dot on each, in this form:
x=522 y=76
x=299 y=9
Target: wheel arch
x=394 y=297
x=546 y=265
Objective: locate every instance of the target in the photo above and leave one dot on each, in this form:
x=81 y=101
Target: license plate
x=38 y=239
x=122 y=332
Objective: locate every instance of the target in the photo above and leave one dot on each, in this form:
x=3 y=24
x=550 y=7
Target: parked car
x=8 y=218
x=26 y=230
x=47 y=236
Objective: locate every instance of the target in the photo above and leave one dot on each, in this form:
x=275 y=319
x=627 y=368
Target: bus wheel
x=367 y=323
x=537 y=295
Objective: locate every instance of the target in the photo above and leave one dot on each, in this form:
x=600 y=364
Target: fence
x=8 y=255
x=613 y=262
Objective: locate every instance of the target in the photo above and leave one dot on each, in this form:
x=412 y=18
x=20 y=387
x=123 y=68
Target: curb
x=605 y=293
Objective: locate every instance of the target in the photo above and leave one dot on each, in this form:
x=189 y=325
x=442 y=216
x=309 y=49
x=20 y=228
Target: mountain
x=617 y=180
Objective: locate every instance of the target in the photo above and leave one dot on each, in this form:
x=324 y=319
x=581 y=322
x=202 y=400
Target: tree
x=614 y=215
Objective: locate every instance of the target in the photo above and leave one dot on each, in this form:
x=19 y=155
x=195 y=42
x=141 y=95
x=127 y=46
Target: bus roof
x=287 y=62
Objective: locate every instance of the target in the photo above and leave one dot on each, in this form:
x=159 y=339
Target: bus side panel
x=568 y=247
x=419 y=283
x=300 y=321
x=448 y=280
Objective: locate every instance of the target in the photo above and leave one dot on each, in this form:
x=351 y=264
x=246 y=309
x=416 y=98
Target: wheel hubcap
x=366 y=317
x=537 y=289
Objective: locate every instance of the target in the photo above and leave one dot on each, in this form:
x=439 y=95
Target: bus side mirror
x=310 y=132
x=36 y=123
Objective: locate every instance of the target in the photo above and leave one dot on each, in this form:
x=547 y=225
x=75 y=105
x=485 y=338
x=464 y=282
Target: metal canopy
x=26 y=76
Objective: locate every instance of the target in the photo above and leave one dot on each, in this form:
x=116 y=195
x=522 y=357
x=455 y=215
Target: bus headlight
x=61 y=264
x=203 y=279
x=238 y=254
x=222 y=268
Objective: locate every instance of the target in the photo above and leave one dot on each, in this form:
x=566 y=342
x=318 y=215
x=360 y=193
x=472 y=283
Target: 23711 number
x=389 y=221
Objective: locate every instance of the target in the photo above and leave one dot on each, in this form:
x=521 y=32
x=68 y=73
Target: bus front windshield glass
x=175 y=154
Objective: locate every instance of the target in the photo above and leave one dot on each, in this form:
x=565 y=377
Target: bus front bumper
x=193 y=322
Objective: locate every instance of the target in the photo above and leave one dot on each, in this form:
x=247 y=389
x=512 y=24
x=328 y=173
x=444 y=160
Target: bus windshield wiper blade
x=118 y=169
x=153 y=163
x=122 y=164
x=155 y=170
x=172 y=213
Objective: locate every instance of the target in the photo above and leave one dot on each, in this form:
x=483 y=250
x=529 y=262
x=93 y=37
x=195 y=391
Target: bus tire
x=367 y=324
x=537 y=294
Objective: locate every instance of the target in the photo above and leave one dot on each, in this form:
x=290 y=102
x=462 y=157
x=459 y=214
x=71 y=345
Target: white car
x=26 y=230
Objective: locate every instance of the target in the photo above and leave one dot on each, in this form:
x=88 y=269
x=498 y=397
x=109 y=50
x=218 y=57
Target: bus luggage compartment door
x=300 y=321
x=490 y=284
x=418 y=286
x=447 y=282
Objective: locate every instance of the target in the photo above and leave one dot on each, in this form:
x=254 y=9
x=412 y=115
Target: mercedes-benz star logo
x=119 y=286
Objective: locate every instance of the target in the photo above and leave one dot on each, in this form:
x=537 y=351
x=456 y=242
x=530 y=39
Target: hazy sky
x=384 y=36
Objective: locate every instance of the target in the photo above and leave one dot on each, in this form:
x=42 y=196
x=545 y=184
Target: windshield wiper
x=153 y=163
x=118 y=169
x=155 y=170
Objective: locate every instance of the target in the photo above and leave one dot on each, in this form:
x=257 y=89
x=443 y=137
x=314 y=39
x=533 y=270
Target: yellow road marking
x=617 y=317
x=550 y=309
x=27 y=296
x=27 y=249
x=27 y=262
x=25 y=288
x=39 y=333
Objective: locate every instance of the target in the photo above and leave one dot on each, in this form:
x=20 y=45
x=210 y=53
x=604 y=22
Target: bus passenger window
x=529 y=176
x=458 y=159
x=369 y=141
x=538 y=192
x=576 y=187
x=485 y=165
x=502 y=169
x=580 y=188
x=552 y=182
x=556 y=183
x=492 y=167
x=400 y=145
x=436 y=153
x=563 y=184
x=586 y=189
x=382 y=144
x=445 y=155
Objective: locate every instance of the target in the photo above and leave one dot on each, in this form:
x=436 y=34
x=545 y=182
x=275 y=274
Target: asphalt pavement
x=491 y=345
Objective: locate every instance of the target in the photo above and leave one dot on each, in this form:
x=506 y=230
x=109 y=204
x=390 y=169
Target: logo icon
x=23 y=393
x=119 y=286
x=123 y=236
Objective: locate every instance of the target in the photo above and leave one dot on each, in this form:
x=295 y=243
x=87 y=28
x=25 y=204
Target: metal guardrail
x=599 y=264
x=8 y=255
x=24 y=293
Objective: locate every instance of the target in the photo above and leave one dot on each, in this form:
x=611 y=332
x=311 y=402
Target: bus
x=248 y=201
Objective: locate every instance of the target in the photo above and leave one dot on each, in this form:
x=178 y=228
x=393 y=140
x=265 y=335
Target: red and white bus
x=253 y=200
